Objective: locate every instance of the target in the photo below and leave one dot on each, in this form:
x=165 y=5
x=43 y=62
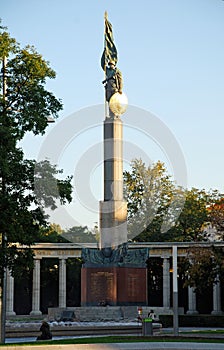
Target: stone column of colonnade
x=192 y=309
x=36 y=289
x=217 y=309
x=36 y=286
x=191 y=301
x=62 y=282
x=10 y=295
x=166 y=282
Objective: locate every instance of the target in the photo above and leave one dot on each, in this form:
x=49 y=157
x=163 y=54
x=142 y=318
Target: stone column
x=113 y=209
x=191 y=302
x=62 y=283
x=217 y=298
x=10 y=295
x=166 y=282
x=36 y=289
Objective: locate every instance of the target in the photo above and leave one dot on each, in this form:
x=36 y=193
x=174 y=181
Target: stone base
x=113 y=286
x=113 y=223
x=192 y=312
x=35 y=313
x=10 y=313
x=215 y=312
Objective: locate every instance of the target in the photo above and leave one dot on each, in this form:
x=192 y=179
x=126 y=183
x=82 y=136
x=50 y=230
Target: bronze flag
x=110 y=51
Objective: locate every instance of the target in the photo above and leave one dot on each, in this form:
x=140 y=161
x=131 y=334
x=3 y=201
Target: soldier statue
x=114 y=81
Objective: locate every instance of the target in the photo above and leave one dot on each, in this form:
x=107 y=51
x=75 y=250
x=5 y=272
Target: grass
x=121 y=339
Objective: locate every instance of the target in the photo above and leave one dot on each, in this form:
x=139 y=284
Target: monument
x=114 y=274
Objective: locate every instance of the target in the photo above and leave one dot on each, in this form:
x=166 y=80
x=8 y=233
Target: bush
x=193 y=320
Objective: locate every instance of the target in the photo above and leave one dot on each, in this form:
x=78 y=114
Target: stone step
x=105 y=313
x=87 y=314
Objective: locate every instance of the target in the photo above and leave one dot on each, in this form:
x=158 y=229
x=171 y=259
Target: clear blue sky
x=171 y=54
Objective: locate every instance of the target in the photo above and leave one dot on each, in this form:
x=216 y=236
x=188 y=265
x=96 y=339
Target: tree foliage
x=190 y=224
x=25 y=105
x=79 y=234
x=216 y=216
x=152 y=200
x=159 y=211
x=203 y=267
x=52 y=234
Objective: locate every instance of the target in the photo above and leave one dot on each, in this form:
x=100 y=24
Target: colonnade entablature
x=156 y=249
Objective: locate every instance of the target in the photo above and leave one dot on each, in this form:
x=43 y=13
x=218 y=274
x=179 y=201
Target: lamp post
x=3 y=295
x=4 y=238
x=175 y=292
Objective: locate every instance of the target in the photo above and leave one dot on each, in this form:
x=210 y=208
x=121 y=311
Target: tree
x=190 y=224
x=153 y=201
x=25 y=105
x=160 y=211
x=53 y=234
x=79 y=234
x=216 y=214
x=203 y=267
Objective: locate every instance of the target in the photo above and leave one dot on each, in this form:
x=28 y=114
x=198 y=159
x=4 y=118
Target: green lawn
x=124 y=339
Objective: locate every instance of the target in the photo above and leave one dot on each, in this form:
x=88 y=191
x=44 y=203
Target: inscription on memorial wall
x=102 y=285
x=134 y=285
x=57 y=253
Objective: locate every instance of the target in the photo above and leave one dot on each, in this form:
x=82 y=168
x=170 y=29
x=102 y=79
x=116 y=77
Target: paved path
x=121 y=346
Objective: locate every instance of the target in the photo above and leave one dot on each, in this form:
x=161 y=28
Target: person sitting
x=45 y=332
